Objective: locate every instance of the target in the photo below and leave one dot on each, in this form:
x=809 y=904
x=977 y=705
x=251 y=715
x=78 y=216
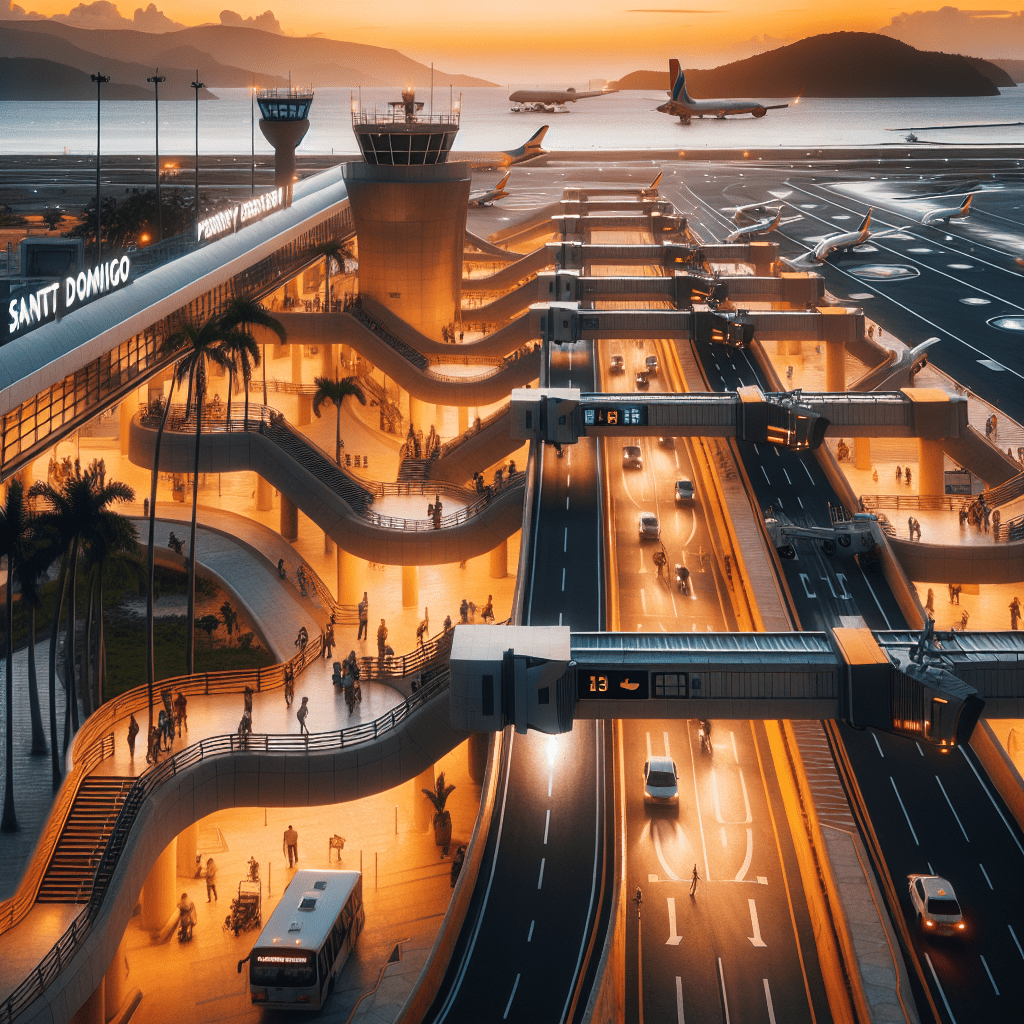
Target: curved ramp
x=536 y=218
x=315 y=484
x=464 y=455
x=490 y=249
x=508 y=277
x=974 y=451
x=975 y=563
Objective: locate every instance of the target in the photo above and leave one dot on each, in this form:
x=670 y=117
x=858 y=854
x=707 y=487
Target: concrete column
x=792 y=348
x=305 y=414
x=423 y=810
x=350 y=578
x=418 y=414
x=289 y=520
x=478 y=744
x=188 y=847
x=463 y=419
x=296 y=363
x=438 y=420
x=835 y=366
x=499 y=561
x=862 y=452
x=91 y=1011
x=129 y=407
x=159 y=891
x=410 y=586
x=115 y=988
x=931 y=463
x=327 y=360
x=264 y=495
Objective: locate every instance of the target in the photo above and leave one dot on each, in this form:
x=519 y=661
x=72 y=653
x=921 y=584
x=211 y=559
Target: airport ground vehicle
x=304 y=946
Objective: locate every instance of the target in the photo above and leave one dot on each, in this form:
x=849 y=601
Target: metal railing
x=1004 y=492
x=919 y=502
x=449 y=446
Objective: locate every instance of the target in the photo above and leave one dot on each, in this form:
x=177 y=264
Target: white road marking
x=559 y=618
x=761 y=880
x=568 y=479
x=867 y=582
x=845 y=596
x=668 y=749
x=788 y=481
x=735 y=756
x=680 y=1018
x=725 y=998
x=648 y=746
x=529 y=937
x=508 y=1005
x=778 y=501
x=755 y=939
x=1016 y=941
x=718 y=807
x=540 y=877
x=800 y=500
x=919 y=750
x=807 y=471
x=741 y=874
x=674 y=938
x=547 y=825
x=643 y=600
x=905 y=815
x=567 y=503
x=952 y=808
x=984 y=964
x=874 y=736
x=565 y=541
x=938 y=985
x=766 y=476
x=700 y=816
x=768 y=1000
x=828 y=580
x=987 y=879
x=659 y=853
x=994 y=804
x=805 y=580
x=563 y=578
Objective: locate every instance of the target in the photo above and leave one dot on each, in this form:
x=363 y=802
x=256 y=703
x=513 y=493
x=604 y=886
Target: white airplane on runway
x=752 y=212
x=944 y=214
x=683 y=106
x=842 y=242
x=550 y=101
x=761 y=227
x=487 y=196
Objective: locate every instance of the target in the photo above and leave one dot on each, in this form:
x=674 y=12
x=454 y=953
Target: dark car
x=643 y=380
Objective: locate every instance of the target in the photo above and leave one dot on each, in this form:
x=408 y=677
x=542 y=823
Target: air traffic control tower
x=409 y=205
x=284 y=124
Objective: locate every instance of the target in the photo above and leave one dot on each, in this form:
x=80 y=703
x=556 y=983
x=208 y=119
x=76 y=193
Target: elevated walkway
x=329 y=496
x=975 y=451
x=487 y=248
x=508 y=277
x=460 y=457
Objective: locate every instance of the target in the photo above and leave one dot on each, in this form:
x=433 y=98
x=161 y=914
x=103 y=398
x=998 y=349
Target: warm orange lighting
x=144 y=238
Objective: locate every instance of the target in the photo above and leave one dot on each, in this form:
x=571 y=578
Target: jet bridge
x=544 y=678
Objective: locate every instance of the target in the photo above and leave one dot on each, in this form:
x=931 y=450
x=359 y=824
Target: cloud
x=973 y=33
x=152 y=20
x=99 y=14
x=265 y=21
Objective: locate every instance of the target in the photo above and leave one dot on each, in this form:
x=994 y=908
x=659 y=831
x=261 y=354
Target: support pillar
x=296 y=363
x=478 y=744
x=499 y=561
x=188 y=847
x=792 y=348
x=289 y=520
x=463 y=419
x=327 y=361
x=835 y=366
x=862 y=452
x=115 y=988
x=305 y=414
x=410 y=586
x=418 y=414
x=421 y=805
x=159 y=891
x=91 y=1011
x=350 y=578
x=129 y=407
x=264 y=495
x=931 y=463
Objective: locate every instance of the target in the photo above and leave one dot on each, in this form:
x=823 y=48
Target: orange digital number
x=598 y=684
x=613 y=417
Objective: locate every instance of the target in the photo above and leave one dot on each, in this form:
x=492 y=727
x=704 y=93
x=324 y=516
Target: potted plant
x=438 y=796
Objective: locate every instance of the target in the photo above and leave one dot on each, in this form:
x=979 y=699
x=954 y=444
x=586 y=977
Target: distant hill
x=837 y=65
x=993 y=72
x=265 y=54
x=28 y=78
x=1014 y=68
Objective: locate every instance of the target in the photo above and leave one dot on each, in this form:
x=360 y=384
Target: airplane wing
x=782 y=106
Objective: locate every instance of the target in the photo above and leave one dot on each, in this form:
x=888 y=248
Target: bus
x=307 y=940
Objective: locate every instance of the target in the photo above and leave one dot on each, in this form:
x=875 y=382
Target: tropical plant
x=336 y=391
x=438 y=797
x=201 y=346
x=230 y=617
x=31 y=570
x=243 y=314
x=209 y=624
x=337 y=251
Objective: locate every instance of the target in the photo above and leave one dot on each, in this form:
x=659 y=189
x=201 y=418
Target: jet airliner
x=944 y=214
x=487 y=196
x=506 y=158
x=760 y=227
x=842 y=242
x=550 y=100
x=683 y=106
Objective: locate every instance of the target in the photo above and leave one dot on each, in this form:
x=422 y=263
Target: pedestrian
x=660 y=560
x=488 y=612
x=382 y=640
x=996 y=519
x=301 y=716
x=963 y=620
x=364 y=619
x=987 y=515
x=421 y=632
x=899 y=473
x=907 y=474
x=328 y=641
x=145 y=508
x=447 y=623
x=247 y=697
x=289 y=685
x=956 y=592
x=291 y=845
x=910 y=526
x=211 y=879
x=950 y=585
x=181 y=712
x=281 y=571
x=1014 y=612
x=929 y=605
x=464 y=612
x=693 y=882
x=133 y=731
x=153 y=748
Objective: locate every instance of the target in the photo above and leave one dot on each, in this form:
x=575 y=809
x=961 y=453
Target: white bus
x=307 y=940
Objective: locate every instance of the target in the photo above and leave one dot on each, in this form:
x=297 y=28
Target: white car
x=938 y=910
x=661 y=781
x=650 y=528
x=684 y=490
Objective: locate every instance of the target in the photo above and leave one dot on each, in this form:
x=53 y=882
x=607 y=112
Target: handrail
x=922 y=502
x=1004 y=492
x=449 y=446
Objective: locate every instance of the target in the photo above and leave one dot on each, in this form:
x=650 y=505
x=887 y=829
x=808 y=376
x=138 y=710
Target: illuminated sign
x=28 y=311
x=611 y=685
x=619 y=416
x=228 y=221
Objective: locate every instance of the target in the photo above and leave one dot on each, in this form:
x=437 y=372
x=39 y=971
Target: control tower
x=284 y=124
x=409 y=205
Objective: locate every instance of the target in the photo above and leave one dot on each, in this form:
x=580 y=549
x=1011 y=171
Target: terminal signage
x=29 y=310
x=617 y=685
x=615 y=416
x=228 y=221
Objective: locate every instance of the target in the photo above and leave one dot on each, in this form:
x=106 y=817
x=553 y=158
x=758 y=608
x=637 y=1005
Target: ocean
x=619 y=121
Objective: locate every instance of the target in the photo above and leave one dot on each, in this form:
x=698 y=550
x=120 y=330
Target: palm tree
x=202 y=346
x=337 y=251
x=438 y=797
x=244 y=314
x=242 y=355
x=336 y=391
x=15 y=529
x=31 y=570
x=230 y=617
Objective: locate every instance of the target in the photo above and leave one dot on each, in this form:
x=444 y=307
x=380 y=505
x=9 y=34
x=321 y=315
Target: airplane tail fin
x=775 y=223
x=966 y=205
x=531 y=147
x=657 y=181
x=504 y=181
x=676 y=81
x=866 y=222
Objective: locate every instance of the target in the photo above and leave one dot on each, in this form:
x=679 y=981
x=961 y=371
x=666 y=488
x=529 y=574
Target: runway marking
x=952 y=808
x=1016 y=941
x=725 y=998
x=680 y=1017
x=807 y=471
x=874 y=736
x=745 y=867
x=994 y=804
x=508 y=1005
x=755 y=939
x=805 y=580
x=905 y=815
x=984 y=964
x=938 y=985
x=987 y=879
x=540 y=877
x=529 y=937
x=547 y=825
x=674 y=938
x=768 y=1000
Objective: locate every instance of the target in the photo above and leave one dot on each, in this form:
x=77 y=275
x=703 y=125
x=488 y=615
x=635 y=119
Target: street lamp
x=99 y=80
x=156 y=80
x=252 y=134
x=197 y=85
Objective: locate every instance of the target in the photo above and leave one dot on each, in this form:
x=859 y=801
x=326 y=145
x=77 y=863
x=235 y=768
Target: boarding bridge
x=544 y=678
x=670 y=255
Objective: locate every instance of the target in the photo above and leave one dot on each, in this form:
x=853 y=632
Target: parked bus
x=307 y=940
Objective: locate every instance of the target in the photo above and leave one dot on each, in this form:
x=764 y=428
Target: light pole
x=156 y=80
x=197 y=85
x=99 y=80
x=252 y=134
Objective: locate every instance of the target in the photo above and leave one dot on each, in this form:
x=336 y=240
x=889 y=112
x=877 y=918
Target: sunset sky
x=520 y=40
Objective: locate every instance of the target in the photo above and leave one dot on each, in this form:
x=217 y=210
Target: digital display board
x=615 y=416
x=598 y=685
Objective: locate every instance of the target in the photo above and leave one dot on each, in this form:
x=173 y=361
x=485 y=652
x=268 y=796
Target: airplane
x=944 y=214
x=842 y=242
x=752 y=212
x=487 y=196
x=683 y=106
x=505 y=158
x=652 y=189
x=550 y=101
x=761 y=227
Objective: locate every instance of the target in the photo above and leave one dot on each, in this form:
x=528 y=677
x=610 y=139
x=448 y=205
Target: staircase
x=414 y=470
x=69 y=875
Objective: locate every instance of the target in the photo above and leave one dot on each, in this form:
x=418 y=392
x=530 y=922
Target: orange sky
x=518 y=40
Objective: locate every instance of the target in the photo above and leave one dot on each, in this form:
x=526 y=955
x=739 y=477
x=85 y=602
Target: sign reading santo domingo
x=228 y=221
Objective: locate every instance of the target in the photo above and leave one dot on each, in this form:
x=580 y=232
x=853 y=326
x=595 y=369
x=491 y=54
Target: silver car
x=661 y=781
x=937 y=908
x=650 y=528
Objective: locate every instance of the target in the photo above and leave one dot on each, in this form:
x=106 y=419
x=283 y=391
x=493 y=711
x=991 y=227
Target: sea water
x=617 y=121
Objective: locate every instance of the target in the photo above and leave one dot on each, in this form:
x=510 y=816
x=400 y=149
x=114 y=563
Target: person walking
x=950 y=585
x=488 y=612
x=899 y=473
x=907 y=475
x=211 y=879
x=247 y=697
x=910 y=526
x=464 y=612
x=133 y=731
x=301 y=716
x=382 y=640
x=364 y=619
x=291 y=845
x=289 y=685
x=1014 y=612
x=929 y=605
x=181 y=712
x=328 y=640
x=693 y=883
x=153 y=746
